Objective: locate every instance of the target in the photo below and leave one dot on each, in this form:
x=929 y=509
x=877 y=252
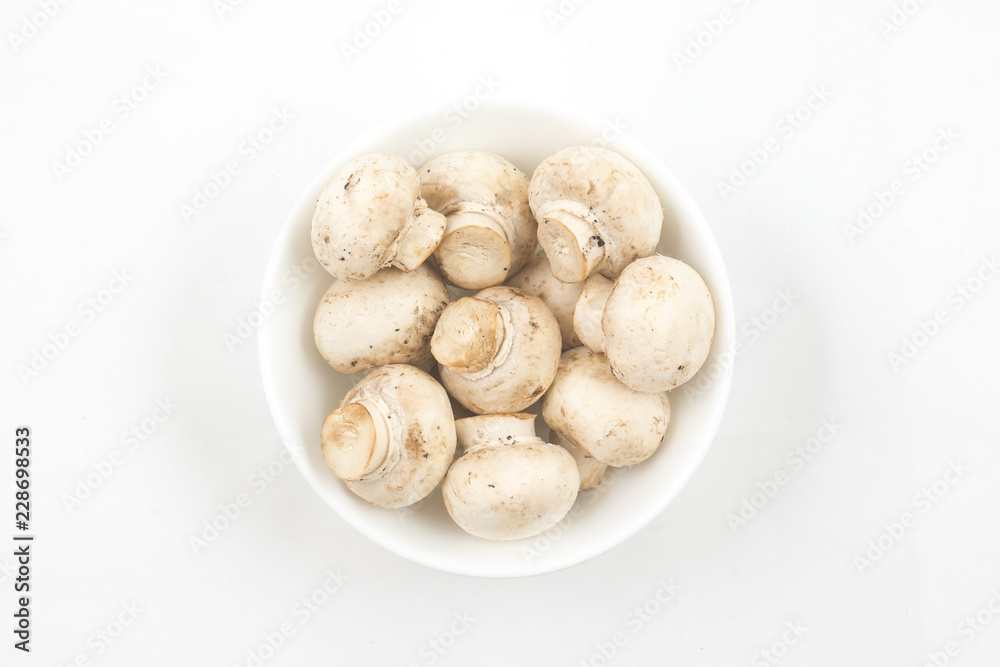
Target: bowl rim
x=630 y=526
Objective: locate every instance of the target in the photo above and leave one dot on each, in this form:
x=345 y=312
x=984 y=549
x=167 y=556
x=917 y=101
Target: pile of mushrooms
x=557 y=305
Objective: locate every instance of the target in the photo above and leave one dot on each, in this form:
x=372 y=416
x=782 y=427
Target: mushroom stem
x=495 y=430
x=355 y=441
x=590 y=311
x=570 y=241
x=475 y=251
x=469 y=335
x=419 y=238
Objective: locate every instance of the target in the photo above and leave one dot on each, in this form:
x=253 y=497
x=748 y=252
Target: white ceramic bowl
x=301 y=389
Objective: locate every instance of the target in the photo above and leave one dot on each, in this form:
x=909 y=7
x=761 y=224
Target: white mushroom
x=596 y=212
x=589 y=310
x=591 y=470
x=600 y=415
x=491 y=232
x=655 y=326
x=498 y=350
x=370 y=216
x=509 y=484
x=386 y=319
x=536 y=278
x=393 y=437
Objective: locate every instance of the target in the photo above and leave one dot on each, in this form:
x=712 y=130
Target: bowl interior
x=301 y=389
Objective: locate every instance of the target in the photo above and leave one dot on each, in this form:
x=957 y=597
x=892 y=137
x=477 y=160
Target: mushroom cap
x=386 y=319
x=658 y=324
x=421 y=429
x=491 y=232
x=591 y=470
x=370 y=215
x=536 y=278
x=519 y=369
x=610 y=422
x=510 y=491
x=595 y=210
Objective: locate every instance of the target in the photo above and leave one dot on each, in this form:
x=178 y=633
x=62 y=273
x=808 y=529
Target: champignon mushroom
x=386 y=319
x=655 y=325
x=600 y=415
x=589 y=310
x=591 y=470
x=393 y=437
x=491 y=232
x=370 y=216
x=509 y=484
x=498 y=350
x=561 y=298
x=596 y=212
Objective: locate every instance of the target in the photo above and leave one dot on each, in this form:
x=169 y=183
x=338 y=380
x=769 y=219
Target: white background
x=856 y=297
